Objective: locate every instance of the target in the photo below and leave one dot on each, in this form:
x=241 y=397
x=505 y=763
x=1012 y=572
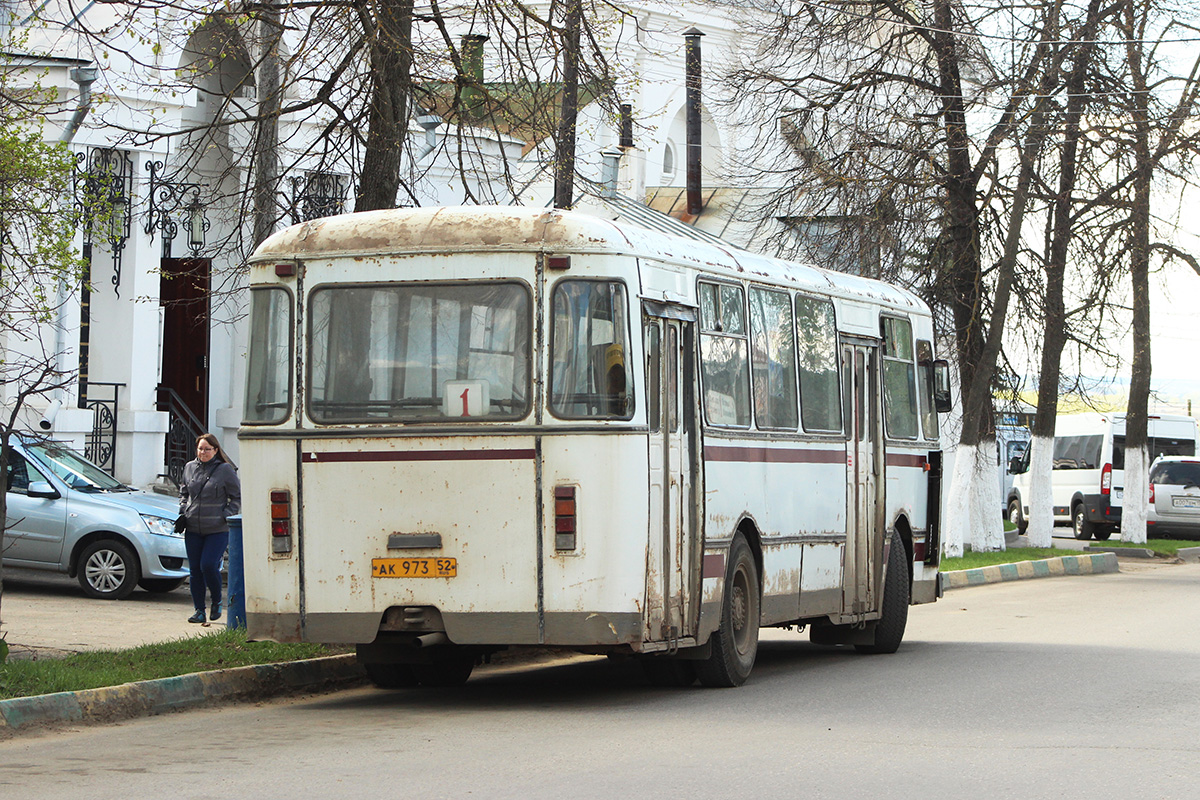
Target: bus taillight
x=281 y=521
x=564 y=517
x=1106 y=479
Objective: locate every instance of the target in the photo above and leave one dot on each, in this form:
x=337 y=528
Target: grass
x=1009 y=556
x=1166 y=547
x=217 y=650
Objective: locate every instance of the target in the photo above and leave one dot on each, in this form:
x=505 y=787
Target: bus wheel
x=390 y=676
x=735 y=643
x=450 y=671
x=889 y=630
x=667 y=671
x=1083 y=528
x=1016 y=517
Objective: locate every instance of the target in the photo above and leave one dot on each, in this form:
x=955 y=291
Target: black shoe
x=214 y=613
x=197 y=617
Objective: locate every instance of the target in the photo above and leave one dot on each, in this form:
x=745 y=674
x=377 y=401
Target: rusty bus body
x=471 y=428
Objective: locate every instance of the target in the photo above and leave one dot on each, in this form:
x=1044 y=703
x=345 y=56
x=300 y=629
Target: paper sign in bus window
x=465 y=398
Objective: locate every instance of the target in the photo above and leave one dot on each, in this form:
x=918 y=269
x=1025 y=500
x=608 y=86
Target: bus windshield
x=419 y=352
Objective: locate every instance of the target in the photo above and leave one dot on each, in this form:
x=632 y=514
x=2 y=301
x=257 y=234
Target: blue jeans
x=204 y=560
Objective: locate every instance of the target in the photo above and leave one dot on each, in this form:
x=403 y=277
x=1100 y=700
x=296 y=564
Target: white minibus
x=1088 y=469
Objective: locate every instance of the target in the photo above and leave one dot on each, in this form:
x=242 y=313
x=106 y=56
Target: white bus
x=479 y=427
x=1087 y=477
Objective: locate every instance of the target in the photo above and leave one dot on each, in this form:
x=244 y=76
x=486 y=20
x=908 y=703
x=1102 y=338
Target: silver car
x=1174 y=496
x=67 y=514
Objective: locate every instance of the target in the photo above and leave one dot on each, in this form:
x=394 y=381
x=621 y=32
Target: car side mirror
x=941 y=385
x=43 y=490
x=1016 y=466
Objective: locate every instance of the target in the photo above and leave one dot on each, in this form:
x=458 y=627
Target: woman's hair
x=212 y=441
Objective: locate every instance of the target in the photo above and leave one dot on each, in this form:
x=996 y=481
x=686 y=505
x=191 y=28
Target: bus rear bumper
x=482 y=628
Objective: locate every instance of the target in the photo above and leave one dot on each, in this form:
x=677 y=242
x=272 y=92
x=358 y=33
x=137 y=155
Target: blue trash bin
x=237 y=576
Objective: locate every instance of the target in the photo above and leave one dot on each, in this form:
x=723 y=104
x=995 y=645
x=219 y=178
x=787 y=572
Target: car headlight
x=160 y=525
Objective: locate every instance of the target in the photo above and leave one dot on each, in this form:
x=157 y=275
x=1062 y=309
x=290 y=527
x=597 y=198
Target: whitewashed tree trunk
x=1041 y=502
x=973 y=503
x=1136 y=502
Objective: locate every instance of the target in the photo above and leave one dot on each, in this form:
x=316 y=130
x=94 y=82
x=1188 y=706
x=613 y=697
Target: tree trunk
x=266 y=139
x=391 y=73
x=564 y=157
x=1041 y=512
x=1137 y=467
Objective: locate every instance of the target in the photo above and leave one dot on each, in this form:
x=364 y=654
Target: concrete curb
x=1127 y=552
x=1189 y=553
x=146 y=698
x=1092 y=564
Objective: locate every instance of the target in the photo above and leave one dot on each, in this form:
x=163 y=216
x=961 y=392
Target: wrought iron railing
x=182 y=431
x=100 y=444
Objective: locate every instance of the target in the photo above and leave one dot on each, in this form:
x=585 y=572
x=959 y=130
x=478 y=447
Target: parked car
x=67 y=514
x=1174 y=497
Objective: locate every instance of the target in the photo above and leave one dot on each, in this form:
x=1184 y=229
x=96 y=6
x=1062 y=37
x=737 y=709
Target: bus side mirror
x=941 y=385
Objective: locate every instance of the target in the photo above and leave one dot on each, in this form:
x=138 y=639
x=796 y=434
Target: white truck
x=1088 y=472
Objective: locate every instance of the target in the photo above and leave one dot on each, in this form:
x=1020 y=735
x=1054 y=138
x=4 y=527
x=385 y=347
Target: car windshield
x=1176 y=473
x=74 y=469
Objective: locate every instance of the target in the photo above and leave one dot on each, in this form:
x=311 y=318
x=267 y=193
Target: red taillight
x=1106 y=479
x=1152 y=493
x=281 y=521
x=564 y=517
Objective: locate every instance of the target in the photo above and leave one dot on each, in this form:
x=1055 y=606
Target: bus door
x=864 y=479
x=672 y=561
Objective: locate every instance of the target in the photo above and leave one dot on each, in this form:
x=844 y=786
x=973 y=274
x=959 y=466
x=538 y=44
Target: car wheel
x=1083 y=528
x=160 y=585
x=1016 y=517
x=390 y=676
x=108 y=570
x=1102 y=534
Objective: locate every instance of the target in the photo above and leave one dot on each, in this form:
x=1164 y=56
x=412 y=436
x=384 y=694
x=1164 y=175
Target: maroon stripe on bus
x=714 y=566
x=903 y=460
x=418 y=455
x=774 y=455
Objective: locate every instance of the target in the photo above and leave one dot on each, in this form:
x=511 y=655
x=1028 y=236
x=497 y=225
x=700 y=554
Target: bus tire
x=1079 y=521
x=390 y=676
x=1016 y=517
x=735 y=642
x=889 y=630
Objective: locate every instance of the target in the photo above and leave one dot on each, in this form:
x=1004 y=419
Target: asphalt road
x=1067 y=687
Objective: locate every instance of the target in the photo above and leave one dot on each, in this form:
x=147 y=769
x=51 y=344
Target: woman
x=209 y=495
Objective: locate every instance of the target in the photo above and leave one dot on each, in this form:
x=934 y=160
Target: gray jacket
x=208 y=495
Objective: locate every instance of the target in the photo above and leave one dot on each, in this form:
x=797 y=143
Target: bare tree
x=36 y=256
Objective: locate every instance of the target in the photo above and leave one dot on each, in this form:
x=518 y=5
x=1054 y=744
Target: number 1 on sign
x=466 y=409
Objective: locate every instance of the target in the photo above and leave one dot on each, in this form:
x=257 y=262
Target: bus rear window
x=591 y=376
x=419 y=352
x=268 y=370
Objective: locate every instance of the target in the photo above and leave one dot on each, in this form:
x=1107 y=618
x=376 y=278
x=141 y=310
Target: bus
x=473 y=428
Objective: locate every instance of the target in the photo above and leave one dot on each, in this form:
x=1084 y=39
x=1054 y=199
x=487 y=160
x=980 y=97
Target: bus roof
x=517 y=228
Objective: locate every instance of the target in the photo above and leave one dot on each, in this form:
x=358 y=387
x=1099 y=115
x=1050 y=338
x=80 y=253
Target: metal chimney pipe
x=626 y=125
x=692 y=71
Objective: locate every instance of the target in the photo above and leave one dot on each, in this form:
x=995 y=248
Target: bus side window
x=724 y=355
x=816 y=348
x=591 y=374
x=899 y=379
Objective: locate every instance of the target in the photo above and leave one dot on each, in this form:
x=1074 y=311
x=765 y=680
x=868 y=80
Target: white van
x=1088 y=476
x=1012 y=442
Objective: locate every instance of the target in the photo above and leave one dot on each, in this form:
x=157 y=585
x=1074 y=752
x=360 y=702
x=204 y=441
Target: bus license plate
x=1185 y=502
x=414 y=567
